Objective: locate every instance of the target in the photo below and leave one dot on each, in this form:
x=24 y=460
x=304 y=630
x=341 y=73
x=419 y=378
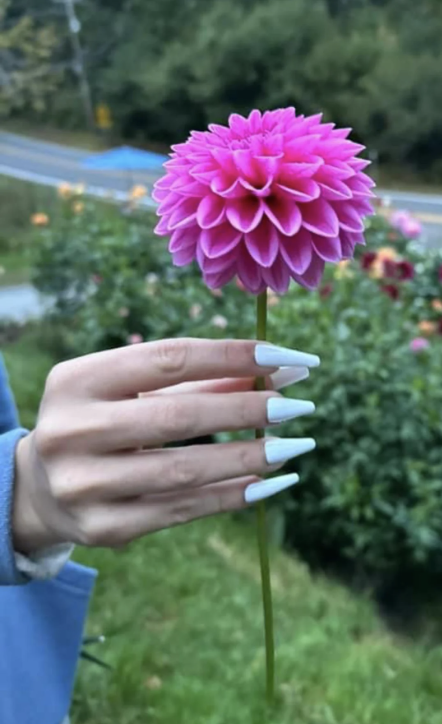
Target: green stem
x=261 y=334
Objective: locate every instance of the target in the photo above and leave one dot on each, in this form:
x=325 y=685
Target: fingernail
x=280 y=409
x=287 y=376
x=268 y=355
x=266 y=488
x=279 y=450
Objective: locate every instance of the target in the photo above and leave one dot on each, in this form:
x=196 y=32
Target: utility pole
x=79 y=68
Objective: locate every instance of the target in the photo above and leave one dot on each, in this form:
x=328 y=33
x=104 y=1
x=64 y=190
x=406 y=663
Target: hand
x=94 y=472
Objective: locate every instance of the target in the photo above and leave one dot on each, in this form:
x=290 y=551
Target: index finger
x=125 y=372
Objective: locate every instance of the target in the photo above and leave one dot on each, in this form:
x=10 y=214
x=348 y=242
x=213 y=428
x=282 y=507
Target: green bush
x=372 y=493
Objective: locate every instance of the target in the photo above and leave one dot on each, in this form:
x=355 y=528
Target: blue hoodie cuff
x=9 y=574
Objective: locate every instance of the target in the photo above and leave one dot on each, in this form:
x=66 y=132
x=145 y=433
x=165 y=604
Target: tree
x=27 y=73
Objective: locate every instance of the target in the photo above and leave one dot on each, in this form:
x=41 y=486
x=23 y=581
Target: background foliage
x=372 y=64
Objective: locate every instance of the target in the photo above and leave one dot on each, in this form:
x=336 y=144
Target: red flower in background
x=325 y=291
x=392 y=291
x=368 y=259
x=405 y=270
x=440 y=273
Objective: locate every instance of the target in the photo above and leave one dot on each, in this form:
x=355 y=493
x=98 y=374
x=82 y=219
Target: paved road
x=51 y=164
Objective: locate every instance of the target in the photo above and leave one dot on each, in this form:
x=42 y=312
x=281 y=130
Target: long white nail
x=266 y=488
x=278 y=450
x=280 y=409
x=287 y=376
x=268 y=355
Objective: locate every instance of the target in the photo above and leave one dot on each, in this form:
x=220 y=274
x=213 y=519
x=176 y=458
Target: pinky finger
x=122 y=523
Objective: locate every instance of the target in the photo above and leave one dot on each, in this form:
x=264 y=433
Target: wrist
x=28 y=530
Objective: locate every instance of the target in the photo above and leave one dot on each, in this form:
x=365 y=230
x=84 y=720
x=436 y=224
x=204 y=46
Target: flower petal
x=319 y=217
x=277 y=276
x=183 y=257
x=297 y=251
x=249 y=272
x=215 y=281
x=327 y=248
x=303 y=189
x=349 y=218
x=183 y=238
x=284 y=213
x=263 y=243
x=313 y=276
x=219 y=240
x=244 y=214
x=211 y=211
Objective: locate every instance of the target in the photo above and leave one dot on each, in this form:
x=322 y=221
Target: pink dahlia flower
x=268 y=198
x=404 y=222
x=419 y=344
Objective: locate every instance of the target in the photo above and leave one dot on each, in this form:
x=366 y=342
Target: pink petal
x=335 y=170
x=255 y=122
x=193 y=188
x=184 y=214
x=327 y=248
x=267 y=167
x=219 y=240
x=215 y=266
x=244 y=163
x=312 y=277
x=211 y=211
x=277 y=277
x=183 y=238
x=297 y=251
x=227 y=188
x=220 y=131
x=244 y=214
x=165 y=182
x=224 y=158
x=260 y=191
x=159 y=195
x=290 y=172
x=319 y=217
x=335 y=190
x=284 y=213
x=238 y=125
x=263 y=243
x=303 y=189
x=341 y=132
x=359 y=164
x=349 y=218
x=301 y=148
x=249 y=272
x=162 y=228
x=184 y=256
x=171 y=203
x=215 y=281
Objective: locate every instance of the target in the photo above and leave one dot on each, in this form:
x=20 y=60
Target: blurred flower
x=440 y=273
x=64 y=191
x=427 y=327
x=219 y=321
x=195 y=311
x=96 y=279
x=390 y=268
x=78 y=207
x=391 y=290
x=216 y=292
x=154 y=682
x=123 y=312
x=39 y=219
x=268 y=198
x=151 y=278
x=419 y=344
x=78 y=190
x=134 y=339
x=405 y=270
x=392 y=236
x=408 y=226
x=325 y=291
x=368 y=259
x=343 y=270
x=437 y=305
x=272 y=299
x=385 y=253
x=2 y=270
x=137 y=192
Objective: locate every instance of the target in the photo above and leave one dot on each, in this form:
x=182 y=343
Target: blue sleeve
x=8 y=410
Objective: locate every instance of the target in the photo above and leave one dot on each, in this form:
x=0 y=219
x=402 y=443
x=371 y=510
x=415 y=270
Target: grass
x=182 y=612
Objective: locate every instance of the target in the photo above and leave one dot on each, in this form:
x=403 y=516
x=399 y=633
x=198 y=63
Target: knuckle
x=177 y=420
x=50 y=437
x=183 y=473
x=172 y=356
x=248 y=461
x=183 y=512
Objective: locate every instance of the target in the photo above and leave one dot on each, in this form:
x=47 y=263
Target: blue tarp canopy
x=125 y=158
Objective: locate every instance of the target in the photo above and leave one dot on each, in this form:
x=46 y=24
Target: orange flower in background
x=64 y=191
x=39 y=219
x=137 y=192
x=437 y=305
x=427 y=327
x=78 y=207
x=385 y=253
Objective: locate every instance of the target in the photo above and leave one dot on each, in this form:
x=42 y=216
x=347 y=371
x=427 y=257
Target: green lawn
x=185 y=613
